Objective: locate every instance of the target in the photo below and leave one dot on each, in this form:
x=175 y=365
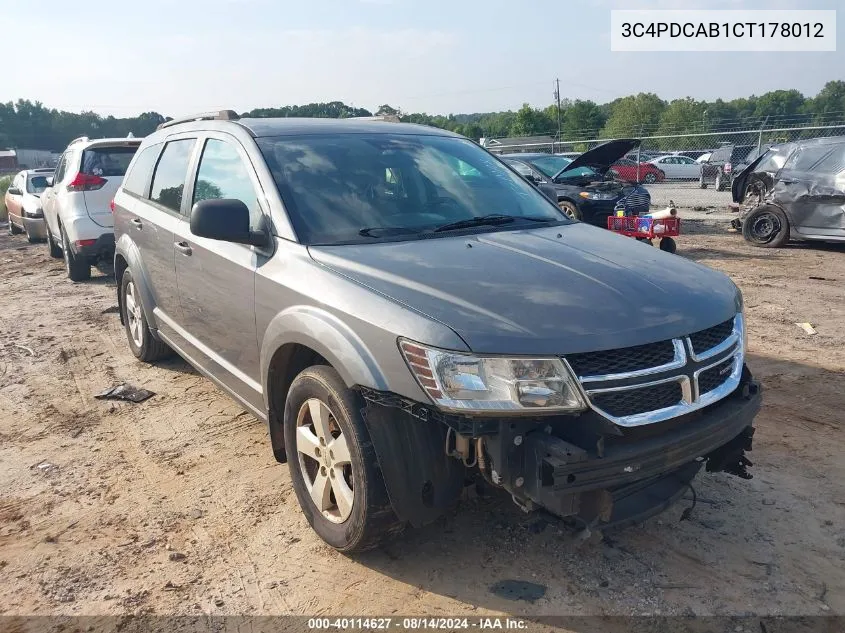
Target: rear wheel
x=668 y=245
x=569 y=209
x=78 y=267
x=141 y=341
x=767 y=227
x=335 y=470
x=55 y=249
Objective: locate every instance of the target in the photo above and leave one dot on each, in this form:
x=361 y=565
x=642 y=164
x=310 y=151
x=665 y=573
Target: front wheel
x=720 y=182
x=701 y=182
x=650 y=178
x=569 y=209
x=55 y=249
x=78 y=267
x=13 y=230
x=767 y=227
x=333 y=464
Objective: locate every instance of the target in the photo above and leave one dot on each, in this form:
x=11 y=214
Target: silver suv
x=404 y=310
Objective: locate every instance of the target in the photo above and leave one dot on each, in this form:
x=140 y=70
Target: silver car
x=405 y=311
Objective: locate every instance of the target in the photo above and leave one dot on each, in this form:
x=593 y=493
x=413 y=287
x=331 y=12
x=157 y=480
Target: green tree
x=386 y=110
x=779 y=103
x=582 y=119
x=634 y=116
x=828 y=105
x=531 y=121
x=681 y=115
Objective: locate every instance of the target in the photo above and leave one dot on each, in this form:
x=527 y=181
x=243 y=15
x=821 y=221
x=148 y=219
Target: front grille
x=711 y=337
x=617 y=361
x=710 y=379
x=641 y=400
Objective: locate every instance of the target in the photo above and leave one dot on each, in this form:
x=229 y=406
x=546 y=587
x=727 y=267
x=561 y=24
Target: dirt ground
x=176 y=506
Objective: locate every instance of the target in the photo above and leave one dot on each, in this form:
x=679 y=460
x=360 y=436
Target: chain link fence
x=689 y=170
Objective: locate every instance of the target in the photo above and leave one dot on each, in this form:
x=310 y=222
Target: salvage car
x=404 y=311
x=23 y=202
x=585 y=188
x=794 y=191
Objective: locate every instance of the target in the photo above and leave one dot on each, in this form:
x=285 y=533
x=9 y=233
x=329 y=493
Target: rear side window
x=834 y=162
x=107 y=161
x=171 y=171
x=805 y=157
x=138 y=179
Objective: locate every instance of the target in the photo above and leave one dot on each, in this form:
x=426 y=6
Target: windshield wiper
x=491 y=219
x=385 y=231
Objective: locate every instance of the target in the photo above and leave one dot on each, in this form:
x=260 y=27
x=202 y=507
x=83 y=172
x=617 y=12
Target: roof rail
x=221 y=115
x=81 y=138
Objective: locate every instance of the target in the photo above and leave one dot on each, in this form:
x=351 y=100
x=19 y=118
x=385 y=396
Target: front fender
x=126 y=248
x=328 y=336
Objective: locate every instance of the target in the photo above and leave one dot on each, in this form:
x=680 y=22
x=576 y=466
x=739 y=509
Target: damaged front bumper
x=583 y=467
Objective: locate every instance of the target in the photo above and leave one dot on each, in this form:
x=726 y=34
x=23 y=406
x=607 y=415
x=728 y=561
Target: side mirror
x=226 y=220
x=13 y=191
x=49 y=181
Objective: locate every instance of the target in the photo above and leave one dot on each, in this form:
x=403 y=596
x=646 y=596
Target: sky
x=436 y=56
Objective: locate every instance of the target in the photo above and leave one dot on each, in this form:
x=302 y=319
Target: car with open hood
x=793 y=191
x=405 y=312
x=585 y=188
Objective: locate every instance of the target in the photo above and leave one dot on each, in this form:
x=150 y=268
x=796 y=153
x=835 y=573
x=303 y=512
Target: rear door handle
x=137 y=223
x=183 y=248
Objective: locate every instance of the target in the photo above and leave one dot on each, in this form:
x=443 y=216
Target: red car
x=626 y=169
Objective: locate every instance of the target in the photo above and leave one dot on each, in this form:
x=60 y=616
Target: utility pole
x=557 y=98
x=760 y=137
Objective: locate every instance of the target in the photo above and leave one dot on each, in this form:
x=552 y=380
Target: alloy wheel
x=133 y=315
x=324 y=460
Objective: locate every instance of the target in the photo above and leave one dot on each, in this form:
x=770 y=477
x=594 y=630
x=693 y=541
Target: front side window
x=223 y=174
x=345 y=188
x=171 y=171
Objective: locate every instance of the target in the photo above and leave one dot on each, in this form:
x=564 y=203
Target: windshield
x=356 y=187
x=550 y=165
x=36 y=184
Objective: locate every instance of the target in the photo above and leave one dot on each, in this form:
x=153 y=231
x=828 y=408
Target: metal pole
x=557 y=98
x=760 y=137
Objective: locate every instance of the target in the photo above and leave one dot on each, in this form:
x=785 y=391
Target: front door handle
x=184 y=248
x=137 y=223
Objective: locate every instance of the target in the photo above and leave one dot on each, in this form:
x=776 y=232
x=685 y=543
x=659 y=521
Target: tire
x=142 y=343
x=766 y=227
x=55 y=249
x=649 y=178
x=13 y=230
x=668 y=245
x=569 y=209
x=78 y=268
x=370 y=519
x=701 y=182
x=29 y=238
x=720 y=182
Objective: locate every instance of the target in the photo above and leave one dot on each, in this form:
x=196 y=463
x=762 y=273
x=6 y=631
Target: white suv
x=77 y=203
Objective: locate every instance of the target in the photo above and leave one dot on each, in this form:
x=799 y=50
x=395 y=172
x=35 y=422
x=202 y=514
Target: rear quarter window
x=137 y=179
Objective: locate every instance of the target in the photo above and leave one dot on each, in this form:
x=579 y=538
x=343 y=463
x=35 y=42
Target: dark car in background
x=719 y=169
x=796 y=191
x=585 y=189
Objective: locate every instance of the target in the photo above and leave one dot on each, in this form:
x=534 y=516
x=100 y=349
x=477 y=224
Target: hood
x=532 y=292
x=602 y=156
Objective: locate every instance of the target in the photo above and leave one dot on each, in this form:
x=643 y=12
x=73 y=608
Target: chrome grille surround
x=686 y=368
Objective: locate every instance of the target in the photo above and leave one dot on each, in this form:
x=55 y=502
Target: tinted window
x=36 y=184
x=805 y=157
x=222 y=174
x=107 y=161
x=336 y=186
x=138 y=179
x=169 y=178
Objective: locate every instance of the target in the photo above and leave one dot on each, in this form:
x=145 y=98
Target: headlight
x=464 y=382
x=597 y=195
